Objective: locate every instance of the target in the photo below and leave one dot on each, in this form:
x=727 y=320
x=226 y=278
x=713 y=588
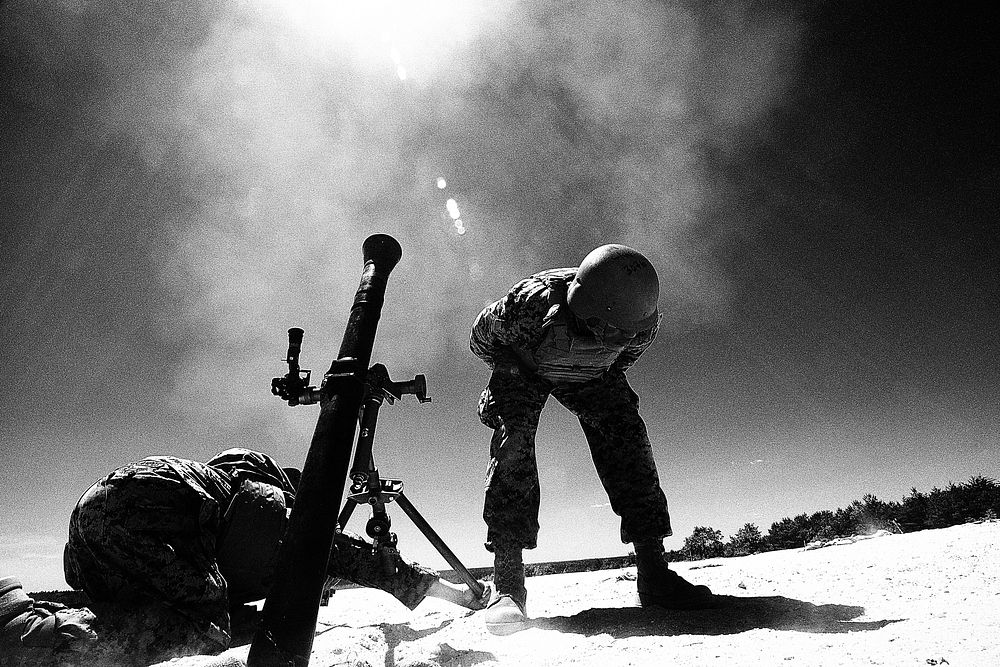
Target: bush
x=789 y=533
x=975 y=500
x=944 y=507
x=747 y=540
x=979 y=496
x=704 y=542
x=913 y=511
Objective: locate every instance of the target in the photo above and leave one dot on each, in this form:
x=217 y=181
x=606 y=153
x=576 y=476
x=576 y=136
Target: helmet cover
x=618 y=285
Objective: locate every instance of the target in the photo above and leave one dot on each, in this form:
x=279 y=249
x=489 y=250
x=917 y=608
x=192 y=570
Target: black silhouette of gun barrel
x=288 y=623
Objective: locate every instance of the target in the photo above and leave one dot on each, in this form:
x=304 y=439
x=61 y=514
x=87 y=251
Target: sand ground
x=926 y=598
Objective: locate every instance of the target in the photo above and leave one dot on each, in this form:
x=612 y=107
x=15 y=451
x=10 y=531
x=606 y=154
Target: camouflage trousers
x=352 y=560
x=142 y=546
x=608 y=410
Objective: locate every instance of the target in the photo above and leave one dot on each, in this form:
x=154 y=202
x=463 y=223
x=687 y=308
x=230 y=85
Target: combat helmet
x=618 y=285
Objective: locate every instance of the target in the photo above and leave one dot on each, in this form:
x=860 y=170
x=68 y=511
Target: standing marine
x=573 y=333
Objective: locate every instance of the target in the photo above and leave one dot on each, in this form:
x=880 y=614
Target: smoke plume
x=264 y=141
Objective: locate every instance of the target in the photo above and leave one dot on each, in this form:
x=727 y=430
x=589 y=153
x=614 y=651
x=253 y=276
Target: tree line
x=976 y=499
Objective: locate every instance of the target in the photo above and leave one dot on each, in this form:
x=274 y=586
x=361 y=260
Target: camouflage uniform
x=537 y=347
x=148 y=543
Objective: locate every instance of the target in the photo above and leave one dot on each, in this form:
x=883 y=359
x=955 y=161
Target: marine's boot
x=506 y=613
x=659 y=586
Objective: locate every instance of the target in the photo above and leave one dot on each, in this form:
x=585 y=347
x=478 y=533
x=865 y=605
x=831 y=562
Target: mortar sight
x=293 y=386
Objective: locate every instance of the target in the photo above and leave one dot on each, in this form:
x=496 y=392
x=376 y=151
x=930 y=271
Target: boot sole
x=505 y=628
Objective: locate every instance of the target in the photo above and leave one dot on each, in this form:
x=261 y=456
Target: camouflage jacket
x=217 y=479
x=518 y=322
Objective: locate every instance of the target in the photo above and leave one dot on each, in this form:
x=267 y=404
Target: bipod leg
x=345 y=514
x=435 y=539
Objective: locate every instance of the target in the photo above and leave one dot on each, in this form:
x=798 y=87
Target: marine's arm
x=511 y=324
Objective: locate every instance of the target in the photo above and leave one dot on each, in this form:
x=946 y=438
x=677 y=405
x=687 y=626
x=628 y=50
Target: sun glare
x=407 y=36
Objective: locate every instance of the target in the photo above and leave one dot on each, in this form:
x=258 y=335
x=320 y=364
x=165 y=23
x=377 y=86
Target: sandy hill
x=926 y=598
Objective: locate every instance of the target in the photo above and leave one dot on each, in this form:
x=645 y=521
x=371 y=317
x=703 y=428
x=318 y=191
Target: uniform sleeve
x=513 y=322
x=635 y=348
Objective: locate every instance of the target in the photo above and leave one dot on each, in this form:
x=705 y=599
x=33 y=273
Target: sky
x=815 y=183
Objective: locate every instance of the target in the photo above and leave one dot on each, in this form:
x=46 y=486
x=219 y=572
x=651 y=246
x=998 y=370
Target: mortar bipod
x=369 y=488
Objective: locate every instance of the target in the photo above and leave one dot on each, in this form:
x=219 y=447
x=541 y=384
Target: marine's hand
x=489 y=411
x=514 y=362
x=76 y=627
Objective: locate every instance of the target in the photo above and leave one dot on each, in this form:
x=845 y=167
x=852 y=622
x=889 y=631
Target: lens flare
x=417 y=35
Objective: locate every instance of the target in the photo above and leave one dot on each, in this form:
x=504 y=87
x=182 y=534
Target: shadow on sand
x=734 y=615
x=397 y=633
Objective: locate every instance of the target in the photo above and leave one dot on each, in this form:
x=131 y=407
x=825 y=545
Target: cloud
x=271 y=138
